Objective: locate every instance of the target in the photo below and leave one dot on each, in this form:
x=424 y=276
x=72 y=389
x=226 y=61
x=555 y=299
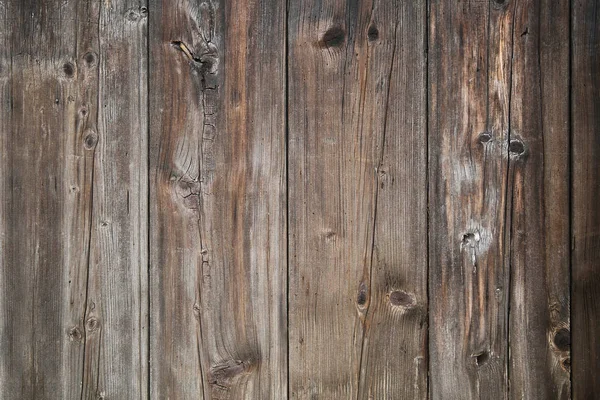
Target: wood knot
x=402 y=299
x=68 y=69
x=334 y=37
x=485 y=137
x=89 y=58
x=362 y=297
x=516 y=148
x=470 y=239
x=222 y=375
x=92 y=324
x=373 y=33
x=481 y=358
x=134 y=14
x=90 y=139
x=75 y=334
x=562 y=339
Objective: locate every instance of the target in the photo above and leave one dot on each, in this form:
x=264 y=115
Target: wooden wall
x=311 y=199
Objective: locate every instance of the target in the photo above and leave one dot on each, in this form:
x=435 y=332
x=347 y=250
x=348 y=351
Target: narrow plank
x=585 y=117
x=357 y=200
x=218 y=212
x=116 y=338
x=33 y=110
x=469 y=96
x=71 y=149
x=539 y=333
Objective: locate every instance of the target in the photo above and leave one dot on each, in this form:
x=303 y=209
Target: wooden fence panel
x=312 y=199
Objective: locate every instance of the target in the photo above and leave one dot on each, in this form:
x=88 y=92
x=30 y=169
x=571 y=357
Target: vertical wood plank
x=539 y=334
x=34 y=128
x=469 y=96
x=357 y=199
x=585 y=114
x=218 y=211
x=116 y=340
x=73 y=224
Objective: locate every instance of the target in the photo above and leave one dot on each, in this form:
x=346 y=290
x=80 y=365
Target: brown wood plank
x=357 y=199
x=218 y=184
x=469 y=95
x=73 y=151
x=585 y=114
x=539 y=333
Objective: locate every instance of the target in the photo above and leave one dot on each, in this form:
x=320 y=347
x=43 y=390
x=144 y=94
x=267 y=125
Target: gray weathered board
x=311 y=199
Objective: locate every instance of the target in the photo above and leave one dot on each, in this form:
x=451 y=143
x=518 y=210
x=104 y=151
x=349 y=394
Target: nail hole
x=562 y=339
x=334 y=37
x=373 y=33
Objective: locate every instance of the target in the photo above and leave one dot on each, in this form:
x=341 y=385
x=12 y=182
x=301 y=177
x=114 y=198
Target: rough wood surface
x=585 y=125
x=469 y=95
x=73 y=185
x=357 y=203
x=218 y=205
x=306 y=199
x=539 y=332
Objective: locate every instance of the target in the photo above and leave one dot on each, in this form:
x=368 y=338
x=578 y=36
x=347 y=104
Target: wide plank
x=218 y=200
x=357 y=199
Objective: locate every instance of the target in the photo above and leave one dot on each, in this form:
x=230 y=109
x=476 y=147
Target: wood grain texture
x=539 y=333
x=312 y=199
x=469 y=97
x=585 y=120
x=218 y=185
x=74 y=188
x=357 y=210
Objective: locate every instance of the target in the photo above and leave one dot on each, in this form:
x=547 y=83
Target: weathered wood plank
x=585 y=114
x=73 y=223
x=469 y=96
x=218 y=184
x=357 y=199
x=35 y=126
x=539 y=332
